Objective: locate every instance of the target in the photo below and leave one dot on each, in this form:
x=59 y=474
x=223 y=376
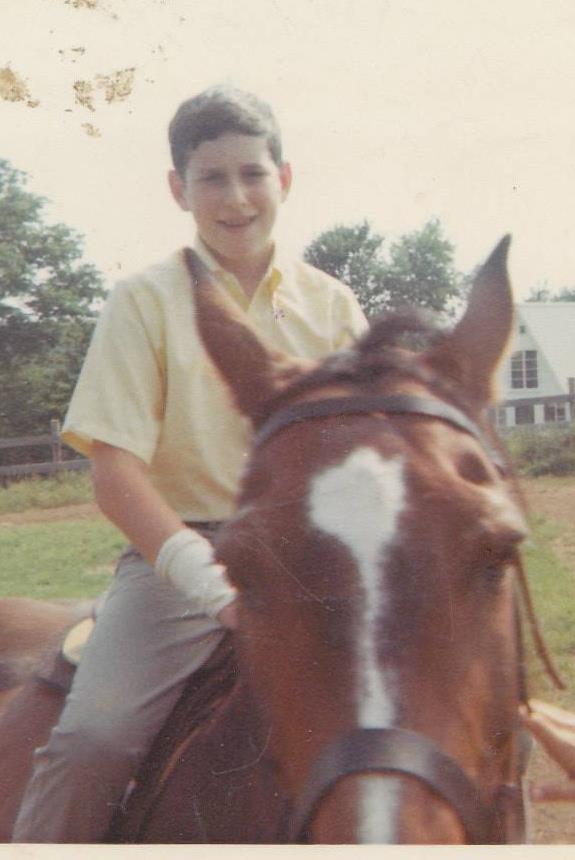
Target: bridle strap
x=397 y=404
x=400 y=751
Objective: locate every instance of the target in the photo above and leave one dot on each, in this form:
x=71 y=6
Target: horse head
x=374 y=548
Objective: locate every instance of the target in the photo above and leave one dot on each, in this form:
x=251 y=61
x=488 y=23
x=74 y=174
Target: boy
x=167 y=448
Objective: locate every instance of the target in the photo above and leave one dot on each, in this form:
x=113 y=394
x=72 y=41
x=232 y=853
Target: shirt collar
x=272 y=278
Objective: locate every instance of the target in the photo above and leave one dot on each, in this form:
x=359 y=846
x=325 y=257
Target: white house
x=537 y=379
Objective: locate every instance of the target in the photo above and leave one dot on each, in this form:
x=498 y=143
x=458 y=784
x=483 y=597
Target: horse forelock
x=395 y=352
x=393 y=346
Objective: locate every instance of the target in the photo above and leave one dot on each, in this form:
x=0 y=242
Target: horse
x=370 y=692
x=30 y=631
x=27 y=629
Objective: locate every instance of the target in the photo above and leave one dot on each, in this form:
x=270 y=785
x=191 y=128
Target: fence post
x=56 y=441
x=571 y=384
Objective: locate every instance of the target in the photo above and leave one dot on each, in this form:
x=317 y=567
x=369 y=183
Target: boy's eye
x=254 y=173
x=212 y=177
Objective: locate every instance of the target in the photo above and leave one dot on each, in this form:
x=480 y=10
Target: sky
x=397 y=111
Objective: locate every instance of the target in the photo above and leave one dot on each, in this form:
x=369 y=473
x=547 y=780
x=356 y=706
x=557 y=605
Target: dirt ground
x=552 y=498
x=85 y=511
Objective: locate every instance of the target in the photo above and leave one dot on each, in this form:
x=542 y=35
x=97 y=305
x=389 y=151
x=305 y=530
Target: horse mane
x=392 y=344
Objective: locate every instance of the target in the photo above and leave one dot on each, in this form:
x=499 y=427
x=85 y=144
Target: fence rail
x=27 y=441
x=48 y=467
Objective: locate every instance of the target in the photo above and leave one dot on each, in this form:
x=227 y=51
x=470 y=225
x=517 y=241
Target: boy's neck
x=249 y=271
x=250 y=277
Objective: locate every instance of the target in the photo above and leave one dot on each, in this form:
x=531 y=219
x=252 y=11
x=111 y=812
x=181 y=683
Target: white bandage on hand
x=187 y=560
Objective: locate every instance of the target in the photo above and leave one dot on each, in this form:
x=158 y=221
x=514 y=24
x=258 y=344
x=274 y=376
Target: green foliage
x=544 y=294
x=67 y=488
x=352 y=254
x=416 y=270
x=420 y=270
x=545 y=450
x=46 y=309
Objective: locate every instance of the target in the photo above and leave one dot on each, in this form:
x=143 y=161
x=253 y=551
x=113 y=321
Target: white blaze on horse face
x=359 y=502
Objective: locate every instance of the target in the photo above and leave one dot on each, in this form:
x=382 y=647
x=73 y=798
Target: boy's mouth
x=237 y=225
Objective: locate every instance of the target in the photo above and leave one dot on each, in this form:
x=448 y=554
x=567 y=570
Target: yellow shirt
x=149 y=387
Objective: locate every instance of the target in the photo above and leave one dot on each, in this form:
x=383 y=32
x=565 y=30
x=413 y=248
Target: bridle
x=396 y=750
x=390 y=404
x=400 y=751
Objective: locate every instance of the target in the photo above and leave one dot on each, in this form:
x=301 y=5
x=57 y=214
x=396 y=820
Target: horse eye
x=471 y=468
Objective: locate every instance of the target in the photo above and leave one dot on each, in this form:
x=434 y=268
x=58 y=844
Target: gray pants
x=147 y=641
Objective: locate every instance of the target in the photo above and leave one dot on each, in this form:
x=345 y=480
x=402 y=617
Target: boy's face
x=233 y=189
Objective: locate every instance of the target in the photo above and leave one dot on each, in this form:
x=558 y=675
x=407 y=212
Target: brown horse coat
x=30 y=635
x=374 y=553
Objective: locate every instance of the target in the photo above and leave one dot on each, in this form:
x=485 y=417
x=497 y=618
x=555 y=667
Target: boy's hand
x=187 y=560
x=554 y=728
x=228 y=616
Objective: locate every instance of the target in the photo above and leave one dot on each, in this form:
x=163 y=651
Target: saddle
x=59 y=673
x=208 y=777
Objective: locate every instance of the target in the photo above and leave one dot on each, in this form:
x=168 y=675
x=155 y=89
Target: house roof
x=552 y=327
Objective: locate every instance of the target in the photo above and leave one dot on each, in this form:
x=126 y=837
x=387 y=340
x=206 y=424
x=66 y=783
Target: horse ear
x=477 y=344
x=253 y=371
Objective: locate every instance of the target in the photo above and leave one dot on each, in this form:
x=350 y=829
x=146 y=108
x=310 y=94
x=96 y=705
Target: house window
x=524 y=369
x=555 y=412
x=525 y=414
x=500 y=416
x=522 y=329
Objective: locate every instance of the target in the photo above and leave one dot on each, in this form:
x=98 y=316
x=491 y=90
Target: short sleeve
x=349 y=320
x=119 y=397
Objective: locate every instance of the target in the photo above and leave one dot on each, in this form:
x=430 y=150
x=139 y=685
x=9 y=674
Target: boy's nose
x=235 y=192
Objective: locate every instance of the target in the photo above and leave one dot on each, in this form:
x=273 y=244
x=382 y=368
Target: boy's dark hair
x=221 y=110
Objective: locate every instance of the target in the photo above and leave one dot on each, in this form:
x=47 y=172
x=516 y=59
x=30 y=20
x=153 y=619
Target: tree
x=354 y=255
x=544 y=294
x=47 y=297
x=420 y=270
x=417 y=270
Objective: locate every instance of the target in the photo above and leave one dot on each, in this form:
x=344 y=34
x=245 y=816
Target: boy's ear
x=285 y=178
x=177 y=188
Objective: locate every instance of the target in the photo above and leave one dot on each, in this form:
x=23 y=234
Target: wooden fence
x=51 y=440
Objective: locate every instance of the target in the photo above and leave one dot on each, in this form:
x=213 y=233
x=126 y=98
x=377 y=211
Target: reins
x=540 y=646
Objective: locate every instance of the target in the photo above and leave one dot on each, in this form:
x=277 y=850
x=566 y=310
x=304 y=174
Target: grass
x=68 y=559
x=68 y=488
x=58 y=559
x=552 y=586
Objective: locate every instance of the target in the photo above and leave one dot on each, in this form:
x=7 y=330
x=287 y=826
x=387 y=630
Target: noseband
x=403 y=752
x=396 y=750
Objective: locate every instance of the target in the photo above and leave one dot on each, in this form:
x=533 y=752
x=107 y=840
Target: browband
x=397 y=404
